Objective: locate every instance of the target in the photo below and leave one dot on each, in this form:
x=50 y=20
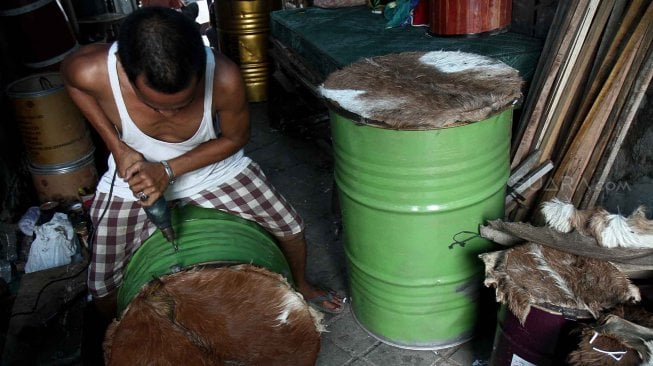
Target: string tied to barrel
x=463 y=242
x=617 y=355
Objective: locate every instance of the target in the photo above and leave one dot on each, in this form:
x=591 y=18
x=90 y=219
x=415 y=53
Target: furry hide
x=534 y=274
x=609 y=230
x=622 y=337
x=240 y=315
x=418 y=90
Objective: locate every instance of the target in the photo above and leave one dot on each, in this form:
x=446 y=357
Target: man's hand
x=125 y=158
x=147 y=181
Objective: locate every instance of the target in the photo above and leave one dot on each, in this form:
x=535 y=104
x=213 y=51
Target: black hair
x=164 y=46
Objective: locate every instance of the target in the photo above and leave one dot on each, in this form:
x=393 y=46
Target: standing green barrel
x=204 y=237
x=408 y=189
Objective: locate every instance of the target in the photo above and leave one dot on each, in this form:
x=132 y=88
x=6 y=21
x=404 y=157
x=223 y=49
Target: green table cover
x=328 y=39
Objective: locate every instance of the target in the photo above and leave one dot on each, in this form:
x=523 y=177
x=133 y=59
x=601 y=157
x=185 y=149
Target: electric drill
x=159 y=214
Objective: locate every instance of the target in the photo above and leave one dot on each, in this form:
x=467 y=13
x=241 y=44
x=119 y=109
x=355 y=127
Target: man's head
x=163 y=47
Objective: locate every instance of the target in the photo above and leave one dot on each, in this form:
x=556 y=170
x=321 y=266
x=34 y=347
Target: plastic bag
x=28 y=220
x=54 y=245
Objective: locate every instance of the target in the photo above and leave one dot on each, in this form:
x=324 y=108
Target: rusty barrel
x=243 y=27
x=63 y=182
x=412 y=180
x=40 y=30
x=53 y=129
x=469 y=17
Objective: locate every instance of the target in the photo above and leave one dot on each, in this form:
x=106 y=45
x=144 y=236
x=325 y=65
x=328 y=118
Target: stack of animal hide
x=534 y=274
x=240 y=315
x=609 y=230
x=624 y=336
x=423 y=90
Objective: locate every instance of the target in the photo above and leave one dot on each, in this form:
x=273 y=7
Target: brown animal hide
x=597 y=349
x=424 y=90
x=624 y=336
x=534 y=274
x=239 y=315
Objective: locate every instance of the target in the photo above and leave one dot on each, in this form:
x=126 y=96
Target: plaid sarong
x=125 y=225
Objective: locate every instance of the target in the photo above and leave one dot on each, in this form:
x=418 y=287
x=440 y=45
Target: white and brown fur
x=624 y=336
x=424 y=90
x=609 y=230
x=534 y=274
x=241 y=315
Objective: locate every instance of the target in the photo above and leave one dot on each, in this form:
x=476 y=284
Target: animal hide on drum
x=424 y=90
x=622 y=337
x=240 y=315
x=534 y=274
x=609 y=230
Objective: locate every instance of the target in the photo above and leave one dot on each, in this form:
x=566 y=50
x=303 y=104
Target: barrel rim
x=25 y=8
x=53 y=60
x=566 y=312
x=63 y=168
x=39 y=93
x=417 y=346
x=359 y=120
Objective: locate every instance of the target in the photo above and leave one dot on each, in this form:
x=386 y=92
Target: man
x=175 y=118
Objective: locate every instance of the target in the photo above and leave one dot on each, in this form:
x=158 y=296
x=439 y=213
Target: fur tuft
x=564 y=217
x=558 y=215
x=613 y=231
x=609 y=230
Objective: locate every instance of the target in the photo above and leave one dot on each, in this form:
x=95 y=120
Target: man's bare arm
x=80 y=72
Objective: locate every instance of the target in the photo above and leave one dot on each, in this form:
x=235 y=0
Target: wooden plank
x=545 y=72
x=571 y=92
x=523 y=210
x=522 y=169
x=529 y=181
x=611 y=29
x=569 y=173
x=548 y=129
x=642 y=82
x=614 y=118
x=627 y=25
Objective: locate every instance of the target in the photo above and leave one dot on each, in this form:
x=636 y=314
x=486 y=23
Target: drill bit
x=159 y=214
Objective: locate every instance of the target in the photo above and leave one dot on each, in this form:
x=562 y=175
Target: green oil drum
x=204 y=237
x=421 y=143
x=405 y=197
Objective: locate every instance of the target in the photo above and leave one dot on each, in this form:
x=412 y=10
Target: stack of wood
x=595 y=68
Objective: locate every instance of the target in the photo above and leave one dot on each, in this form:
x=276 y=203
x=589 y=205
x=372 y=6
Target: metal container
x=62 y=183
x=243 y=27
x=469 y=17
x=40 y=30
x=52 y=127
x=405 y=197
x=545 y=338
x=204 y=237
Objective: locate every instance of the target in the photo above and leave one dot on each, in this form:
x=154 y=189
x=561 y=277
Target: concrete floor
x=302 y=171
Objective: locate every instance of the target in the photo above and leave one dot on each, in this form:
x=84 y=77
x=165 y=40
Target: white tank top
x=156 y=150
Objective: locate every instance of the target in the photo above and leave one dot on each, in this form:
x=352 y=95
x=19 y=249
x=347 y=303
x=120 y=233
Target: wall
x=631 y=178
x=16 y=189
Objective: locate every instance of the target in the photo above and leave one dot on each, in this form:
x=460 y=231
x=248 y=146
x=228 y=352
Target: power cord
x=90 y=240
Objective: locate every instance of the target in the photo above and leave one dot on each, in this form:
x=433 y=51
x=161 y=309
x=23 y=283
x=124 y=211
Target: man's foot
x=327 y=301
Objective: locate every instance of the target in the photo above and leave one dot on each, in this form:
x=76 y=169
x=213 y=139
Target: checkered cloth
x=125 y=225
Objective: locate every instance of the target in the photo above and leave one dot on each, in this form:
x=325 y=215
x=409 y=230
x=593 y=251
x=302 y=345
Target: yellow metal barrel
x=243 y=27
